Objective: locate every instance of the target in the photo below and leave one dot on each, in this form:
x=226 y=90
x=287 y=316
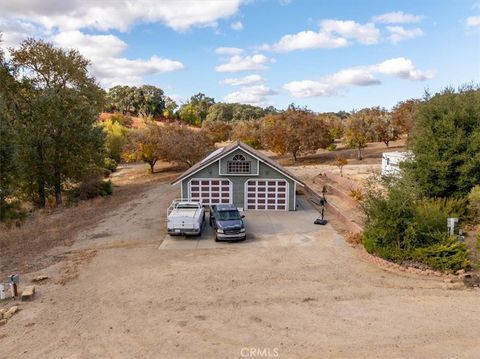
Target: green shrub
x=474 y=200
x=402 y=227
x=332 y=147
x=110 y=164
x=12 y=213
x=448 y=254
x=106 y=188
x=388 y=217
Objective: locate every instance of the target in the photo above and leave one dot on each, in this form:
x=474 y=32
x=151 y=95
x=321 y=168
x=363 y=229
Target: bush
x=474 y=200
x=110 y=164
x=93 y=186
x=12 y=213
x=354 y=238
x=106 y=188
x=356 y=194
x=447 y=255
x=332 y=147
x=402 y=227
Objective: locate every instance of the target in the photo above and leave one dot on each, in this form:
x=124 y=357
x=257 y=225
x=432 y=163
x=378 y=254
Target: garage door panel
x=210 y=191
x=266 y=194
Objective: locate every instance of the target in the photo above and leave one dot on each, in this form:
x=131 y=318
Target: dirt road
x=132 y=300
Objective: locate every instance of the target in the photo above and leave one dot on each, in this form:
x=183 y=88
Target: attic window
x=238 y=158
x=238 y=164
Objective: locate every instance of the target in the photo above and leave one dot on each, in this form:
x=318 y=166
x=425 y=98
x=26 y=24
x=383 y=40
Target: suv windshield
x=228 y=215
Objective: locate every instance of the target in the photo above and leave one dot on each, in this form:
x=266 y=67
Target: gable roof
x=224 y=151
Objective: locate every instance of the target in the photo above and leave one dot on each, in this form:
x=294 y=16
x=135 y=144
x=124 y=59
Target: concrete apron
x=264 y=229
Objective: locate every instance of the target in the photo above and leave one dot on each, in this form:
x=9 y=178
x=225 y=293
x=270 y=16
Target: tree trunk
x=294 y=156
x=40 y=180
x=359 y=155
x=152 y=165
x=386 y=143
x=58 y=188
x=41 y=192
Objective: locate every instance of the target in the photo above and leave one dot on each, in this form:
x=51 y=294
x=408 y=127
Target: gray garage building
x=243 y=176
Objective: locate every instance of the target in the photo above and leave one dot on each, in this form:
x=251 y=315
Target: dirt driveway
x=132 y=300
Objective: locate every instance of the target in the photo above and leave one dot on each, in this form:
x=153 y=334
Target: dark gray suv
x=227 y=223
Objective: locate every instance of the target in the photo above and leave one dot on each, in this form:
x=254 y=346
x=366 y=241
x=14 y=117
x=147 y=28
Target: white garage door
x=210 y=191
x=267 y=194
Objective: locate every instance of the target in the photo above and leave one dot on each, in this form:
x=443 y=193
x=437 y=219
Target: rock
x=40 y=278
x=28 y=292
x=460 y=272
x=10 y=312
x=3 y=322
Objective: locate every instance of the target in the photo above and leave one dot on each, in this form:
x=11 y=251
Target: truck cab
x=227 y=223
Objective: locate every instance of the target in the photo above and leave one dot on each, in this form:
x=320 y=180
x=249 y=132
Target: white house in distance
x=391 y=162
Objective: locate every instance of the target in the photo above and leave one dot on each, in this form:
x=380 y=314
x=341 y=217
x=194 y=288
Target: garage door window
x=210 y=192
x=266 y=195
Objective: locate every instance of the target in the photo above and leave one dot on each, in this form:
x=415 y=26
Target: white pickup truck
x=185 y=217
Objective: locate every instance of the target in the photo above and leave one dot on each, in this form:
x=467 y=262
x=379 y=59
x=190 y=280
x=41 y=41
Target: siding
x=238 y=182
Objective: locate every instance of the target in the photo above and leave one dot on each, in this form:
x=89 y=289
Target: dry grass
x=354 y=238
x=69 y=269
x=356 y=194
x=372 y=154
x=25 y=249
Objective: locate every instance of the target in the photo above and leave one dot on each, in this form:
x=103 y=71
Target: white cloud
x=399 y=33
x=332 y=34
x=237 y=25
x=366 y=34
x=228 y=51
x=473 y=21
x=251 y=95
x=91 y=46
x=121 y=14
x=306 y=40
x=242 y=81
x=402 y=68
x=397 y=17
x=108 y=66
x=357 y=76
x=15 y=31
x=121 y=71
x=238 y=63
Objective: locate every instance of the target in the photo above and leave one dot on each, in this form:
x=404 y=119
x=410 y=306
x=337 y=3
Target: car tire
x=216 y=239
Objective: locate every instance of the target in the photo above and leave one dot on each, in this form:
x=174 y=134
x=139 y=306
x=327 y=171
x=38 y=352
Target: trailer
x=185 y=218
x=391 y=162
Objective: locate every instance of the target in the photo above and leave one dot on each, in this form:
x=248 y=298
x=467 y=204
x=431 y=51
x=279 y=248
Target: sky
x=327 y=55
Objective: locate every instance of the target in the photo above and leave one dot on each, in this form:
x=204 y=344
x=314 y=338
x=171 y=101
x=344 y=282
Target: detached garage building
x=243 y=176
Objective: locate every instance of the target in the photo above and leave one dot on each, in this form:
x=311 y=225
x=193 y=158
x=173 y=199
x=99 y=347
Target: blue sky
x=327 y=55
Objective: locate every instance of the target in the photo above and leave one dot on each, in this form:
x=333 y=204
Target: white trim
x=294 y=196
x=238 y=174
x=226 y=154
x=276 y=204
x=230 y=185
x=260 y=160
